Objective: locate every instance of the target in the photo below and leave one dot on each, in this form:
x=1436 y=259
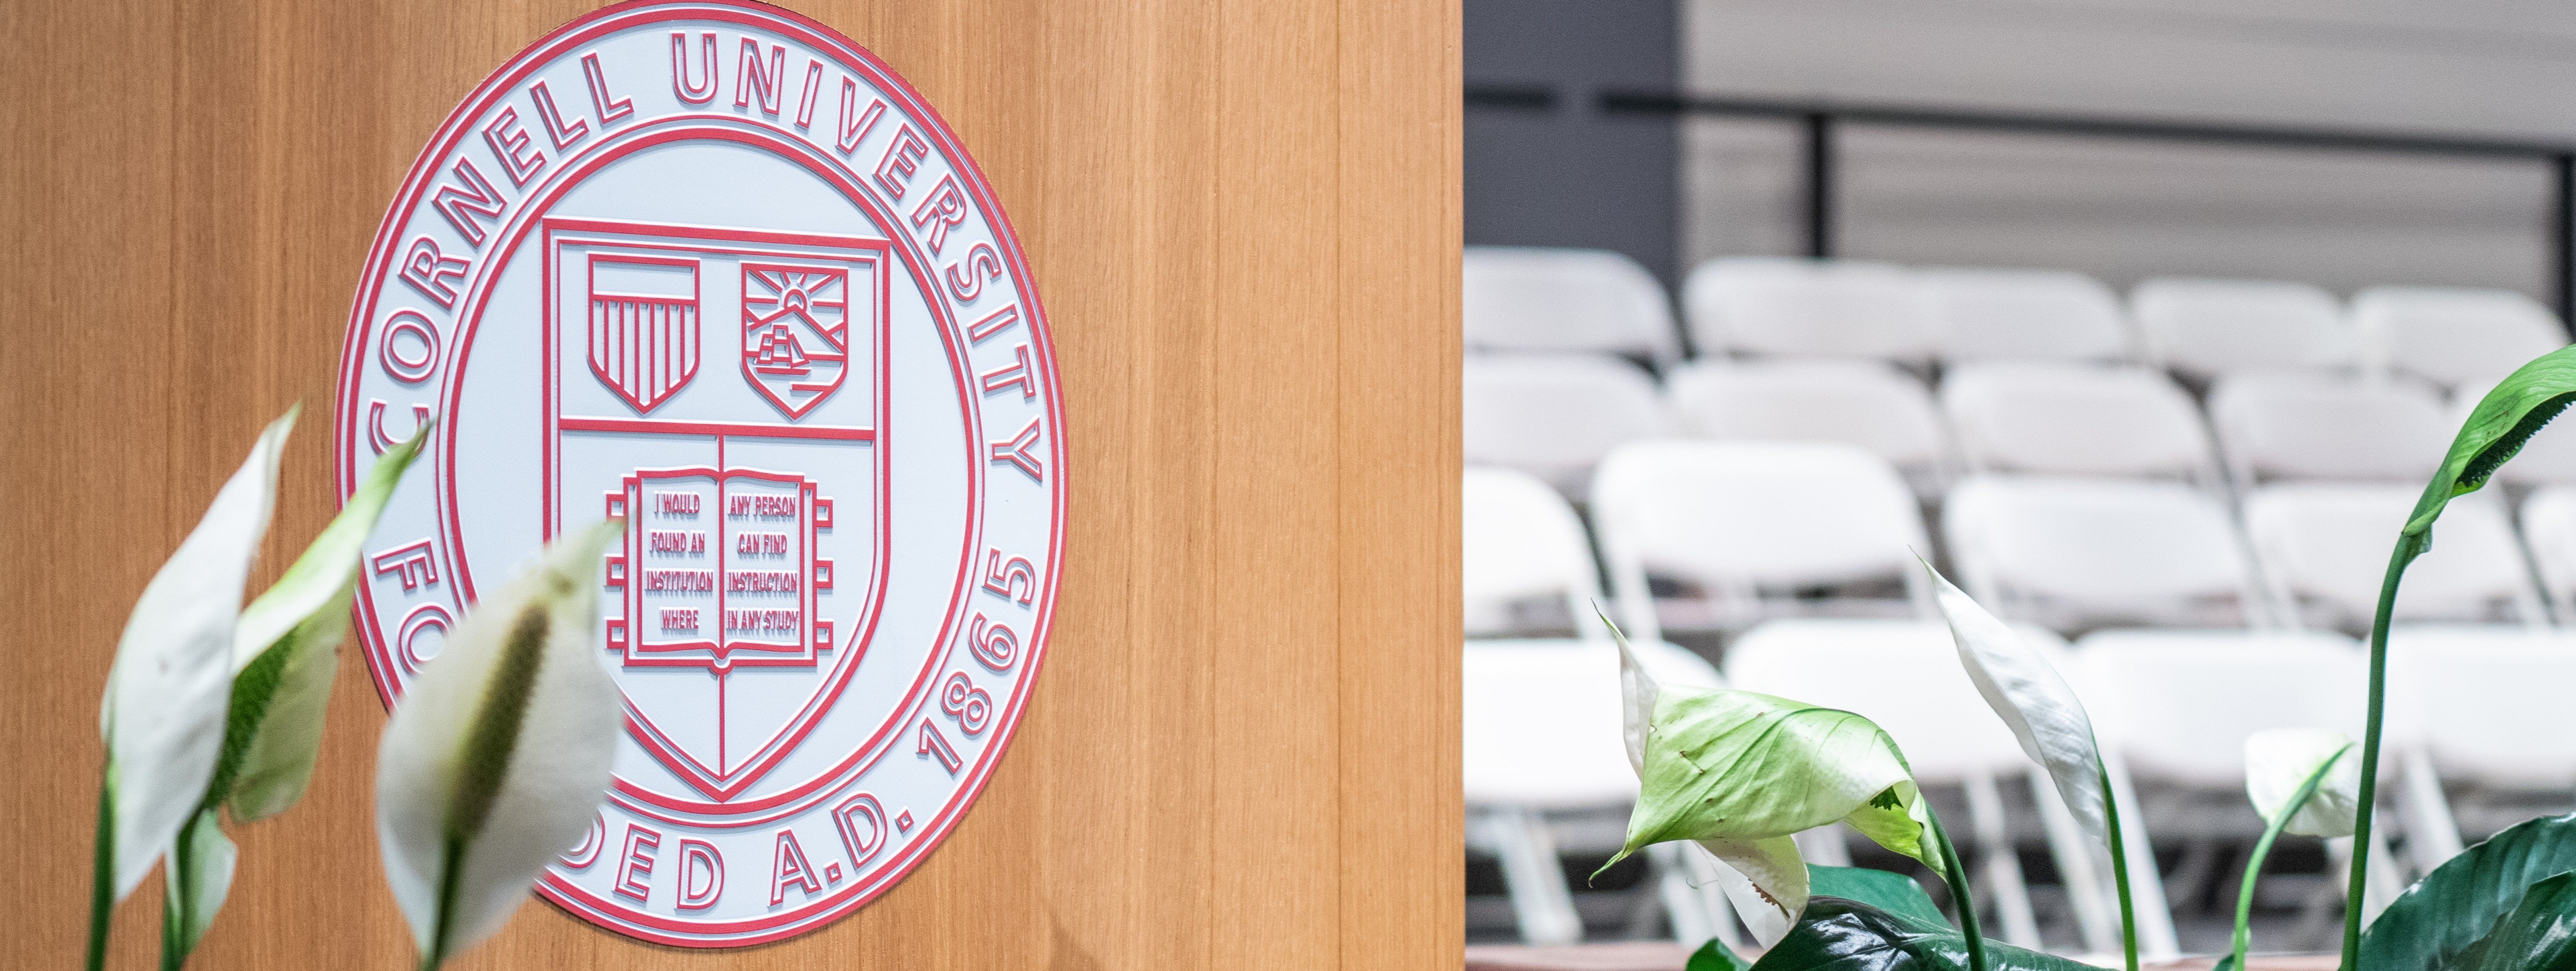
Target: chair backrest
x=2288 y=425
x=1554 y=416
x=2180 y=704
x=1750 y=514
x=2489 y=704
x=1870 y=404
x=2329 y=541
x=2067 y=551
x=1543 y=720
x=2548 y=458
x=2452 y=334
x=1520 y=541
x=2075 y=419
x=2204 y=328
x=1523 y=298
x=1903 y=674
x=2055 y=315
x=2549 y=528
x=1807 y=308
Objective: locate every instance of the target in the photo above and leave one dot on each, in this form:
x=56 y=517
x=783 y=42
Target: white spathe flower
x=498 y=754
x=1765 y=879
x=2278 y=761
x=2027 y=693
x=171 y=685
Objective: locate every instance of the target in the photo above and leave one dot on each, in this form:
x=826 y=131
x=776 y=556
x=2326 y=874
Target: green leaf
x=1744 y=766
x=278 y=707
x=1764 y=878
x=1714 y=956
x=2458 y=903
x=2497 y=428
x=286 y=654
x=2540 y=933
x=1895 y=893
x=1845 y=935
x=200 y=874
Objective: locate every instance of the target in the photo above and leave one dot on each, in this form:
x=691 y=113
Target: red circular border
x=380 y=258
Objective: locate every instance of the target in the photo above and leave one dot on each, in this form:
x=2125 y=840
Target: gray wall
x=2126 y=210
x=1565 y=176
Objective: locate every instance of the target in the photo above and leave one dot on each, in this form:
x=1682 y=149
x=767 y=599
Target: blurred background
x=2144 y=321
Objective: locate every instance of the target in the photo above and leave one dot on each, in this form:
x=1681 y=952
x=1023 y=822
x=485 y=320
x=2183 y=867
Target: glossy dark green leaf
x=1895 y=893
x=1714 y=956
x=2540 y=933
x=1846 y=935
x=2460 y=901
x=2497 y=428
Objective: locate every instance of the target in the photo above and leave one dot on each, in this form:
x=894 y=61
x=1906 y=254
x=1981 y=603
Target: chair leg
x=2097 y=915
x=1541 y=904
x=2432 y=834
x=2384 y=883
x=1686 y=881
x=2156 y=938
x=1824 y=844
x=2002 y=863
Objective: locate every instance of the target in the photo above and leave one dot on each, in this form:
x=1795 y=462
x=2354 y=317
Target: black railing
x=1819 y=121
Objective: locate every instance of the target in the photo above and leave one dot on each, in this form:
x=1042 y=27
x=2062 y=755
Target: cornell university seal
x=714 y=269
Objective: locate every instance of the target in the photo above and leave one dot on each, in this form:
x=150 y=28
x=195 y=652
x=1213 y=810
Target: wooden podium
x=1244 y=219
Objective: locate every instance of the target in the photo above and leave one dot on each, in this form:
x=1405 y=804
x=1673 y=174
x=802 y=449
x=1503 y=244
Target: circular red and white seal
x=713 y=268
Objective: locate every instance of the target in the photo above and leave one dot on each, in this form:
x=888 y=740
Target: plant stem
x=177 y=891
x=2263 y=847
x=1957 y=877
x=2408 y=547
x=2119 y=865
x=102 y=885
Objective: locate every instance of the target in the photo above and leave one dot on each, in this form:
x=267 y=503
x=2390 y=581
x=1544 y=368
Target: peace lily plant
x=491 y=767
x=1739 y=773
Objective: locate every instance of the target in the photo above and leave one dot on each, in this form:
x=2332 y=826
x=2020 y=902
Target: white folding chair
x=1554 y=416
x=2205 y=328
x=1521 y=298
x=1542 y=734
x=1905 y=676
x=2179 y=704
x=1870 y=404
x=1998 y=314
x=2287 y=425
x=2549 y=458
x=2325 y=545
x=2448 y=335
x=1523 y=543
x=2072 y=554
x=2076 y=419
x=2480 y=708
x=1753 y=524
x=1807 y=308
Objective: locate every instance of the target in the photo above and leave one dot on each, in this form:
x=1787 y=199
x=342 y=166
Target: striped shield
x=643 y=326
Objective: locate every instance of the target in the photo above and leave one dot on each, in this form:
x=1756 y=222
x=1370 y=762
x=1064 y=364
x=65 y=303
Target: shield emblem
x=739 y=602
x=643 y=325
x=795 y=333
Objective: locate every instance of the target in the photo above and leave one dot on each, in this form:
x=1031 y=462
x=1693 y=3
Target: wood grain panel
x=1244 y=220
